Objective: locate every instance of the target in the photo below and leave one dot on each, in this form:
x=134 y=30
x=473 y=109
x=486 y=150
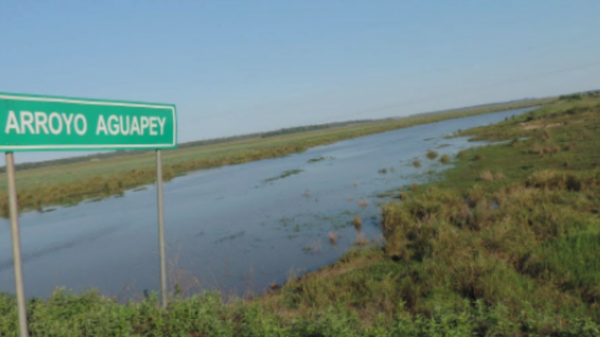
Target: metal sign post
x=16 y=243
x=161 y=229
x=46 y=123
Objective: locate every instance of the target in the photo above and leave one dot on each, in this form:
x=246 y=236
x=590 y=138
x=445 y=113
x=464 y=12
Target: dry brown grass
x=333 y=238
x=499 y=175
x=546 y=134
x=544 y=149
x=363 y=203
x=571 y=147
x=361 y=240
x=550 y=179
x=314 y=247
x=486 y=175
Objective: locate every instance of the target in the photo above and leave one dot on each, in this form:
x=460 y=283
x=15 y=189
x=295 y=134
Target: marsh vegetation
x=431 y=154
x=285 y=175
x=514 y=254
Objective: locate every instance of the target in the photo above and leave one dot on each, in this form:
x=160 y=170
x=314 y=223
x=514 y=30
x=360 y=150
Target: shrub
x=432 y=154
x=548 y=179
x=445 y=159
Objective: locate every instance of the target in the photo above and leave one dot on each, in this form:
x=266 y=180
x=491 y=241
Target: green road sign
x=43 y=123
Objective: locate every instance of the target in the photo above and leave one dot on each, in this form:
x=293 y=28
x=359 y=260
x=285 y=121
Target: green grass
x=71 y=183
x=318 y=159
x=208 y=315
x=522 y=245
x=515 y=254
x=572 y=262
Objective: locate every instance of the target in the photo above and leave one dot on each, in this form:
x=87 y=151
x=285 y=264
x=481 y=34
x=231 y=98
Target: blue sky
x=234 y=67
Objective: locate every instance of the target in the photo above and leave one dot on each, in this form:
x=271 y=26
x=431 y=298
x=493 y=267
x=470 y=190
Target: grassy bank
x=72 y=183
x=506 y=244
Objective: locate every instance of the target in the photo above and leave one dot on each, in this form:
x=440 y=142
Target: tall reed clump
x=357 y=222
x=445 y=159
x=333 y=238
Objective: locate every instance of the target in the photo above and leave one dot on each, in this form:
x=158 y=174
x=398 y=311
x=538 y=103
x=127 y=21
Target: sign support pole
x=161 y=229
x=16 y=243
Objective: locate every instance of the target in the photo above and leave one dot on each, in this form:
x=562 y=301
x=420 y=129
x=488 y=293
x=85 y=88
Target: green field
x=506 y=243
x=71 y=183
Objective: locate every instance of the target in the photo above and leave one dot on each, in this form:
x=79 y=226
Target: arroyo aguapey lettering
x=55 y=123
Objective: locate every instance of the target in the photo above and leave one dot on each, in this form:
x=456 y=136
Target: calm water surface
x=236 y=228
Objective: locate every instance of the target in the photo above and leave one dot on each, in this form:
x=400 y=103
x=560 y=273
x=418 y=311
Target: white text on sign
x=39 y=122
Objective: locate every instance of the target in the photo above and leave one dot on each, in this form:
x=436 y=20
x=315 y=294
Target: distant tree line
x=298 y=129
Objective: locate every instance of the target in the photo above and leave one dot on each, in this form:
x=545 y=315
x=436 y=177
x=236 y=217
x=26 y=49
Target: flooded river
x=237 y=228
